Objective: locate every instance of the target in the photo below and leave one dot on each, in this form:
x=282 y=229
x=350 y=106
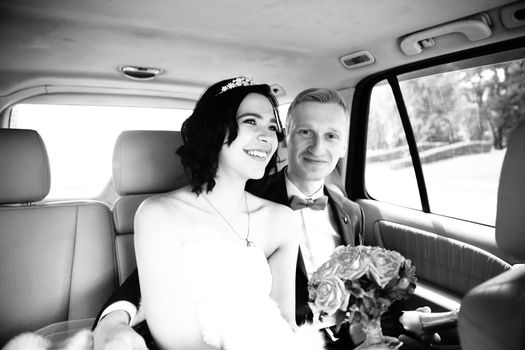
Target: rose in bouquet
x=358 y=284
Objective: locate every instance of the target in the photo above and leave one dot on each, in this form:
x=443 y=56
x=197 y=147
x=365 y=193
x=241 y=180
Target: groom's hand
x=114 y=333
x=411 y=321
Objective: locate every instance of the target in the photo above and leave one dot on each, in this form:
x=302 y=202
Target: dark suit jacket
x=346 y=214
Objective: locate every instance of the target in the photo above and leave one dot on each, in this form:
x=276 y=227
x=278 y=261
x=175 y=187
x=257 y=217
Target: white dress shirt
x=319 y=237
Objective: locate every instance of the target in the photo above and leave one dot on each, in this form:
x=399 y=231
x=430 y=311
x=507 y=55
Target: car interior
x=93 y=95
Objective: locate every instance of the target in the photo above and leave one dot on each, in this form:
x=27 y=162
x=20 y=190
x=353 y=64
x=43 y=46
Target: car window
x=283 y=111
x=387 y=154
x=80 y=139
x=461 y=119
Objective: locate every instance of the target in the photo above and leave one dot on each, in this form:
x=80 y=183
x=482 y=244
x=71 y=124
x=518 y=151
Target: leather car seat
x=492 y=315
x=56 y=259
x=144 y=163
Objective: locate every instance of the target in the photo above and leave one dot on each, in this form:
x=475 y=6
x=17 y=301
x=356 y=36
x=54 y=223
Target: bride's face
x=256 y=139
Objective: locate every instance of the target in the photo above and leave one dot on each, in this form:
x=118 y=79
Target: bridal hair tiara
x=239 y=81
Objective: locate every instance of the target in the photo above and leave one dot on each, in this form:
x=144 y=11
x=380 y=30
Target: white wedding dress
x=230 y=286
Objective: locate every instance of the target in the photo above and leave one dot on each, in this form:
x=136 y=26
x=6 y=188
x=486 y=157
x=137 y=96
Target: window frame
x=356 y=164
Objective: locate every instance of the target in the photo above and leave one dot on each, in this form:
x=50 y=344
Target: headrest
x=145 y=162
x=510 y=217
x=24 y=167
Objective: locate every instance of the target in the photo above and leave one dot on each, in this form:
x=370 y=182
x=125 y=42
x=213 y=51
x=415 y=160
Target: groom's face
x=316 y=139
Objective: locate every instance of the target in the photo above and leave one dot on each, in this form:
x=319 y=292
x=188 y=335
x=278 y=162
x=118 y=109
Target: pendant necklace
x=247 y=239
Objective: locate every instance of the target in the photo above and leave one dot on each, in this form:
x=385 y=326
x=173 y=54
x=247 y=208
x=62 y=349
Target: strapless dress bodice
x=217 y=269
x=230 y=286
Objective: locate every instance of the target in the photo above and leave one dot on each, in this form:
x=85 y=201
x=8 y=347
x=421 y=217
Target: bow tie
x=297 y=203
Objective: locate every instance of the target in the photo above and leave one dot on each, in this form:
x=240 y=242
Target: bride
x=216 y=264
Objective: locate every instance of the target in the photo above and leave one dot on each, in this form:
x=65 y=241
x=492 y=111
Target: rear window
x=80 y=139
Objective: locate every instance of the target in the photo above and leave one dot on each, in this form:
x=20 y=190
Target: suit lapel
x=347 y=216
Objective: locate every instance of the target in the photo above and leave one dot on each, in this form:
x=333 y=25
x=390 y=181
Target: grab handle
x=474 y=29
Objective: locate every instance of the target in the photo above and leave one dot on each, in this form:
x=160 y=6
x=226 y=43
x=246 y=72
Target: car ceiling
x=296 y=44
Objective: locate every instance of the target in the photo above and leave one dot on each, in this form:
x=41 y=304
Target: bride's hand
x=113 y=333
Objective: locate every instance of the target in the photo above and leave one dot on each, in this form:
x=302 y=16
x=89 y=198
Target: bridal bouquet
x=358 y=284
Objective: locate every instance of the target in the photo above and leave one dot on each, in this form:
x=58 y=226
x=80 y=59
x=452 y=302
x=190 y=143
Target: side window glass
x=461 y=121
x=282 y=159
x=461 y=115
x=389 y=173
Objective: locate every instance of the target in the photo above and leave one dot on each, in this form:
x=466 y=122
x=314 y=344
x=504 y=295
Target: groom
x=317 y=128
x=317 y=136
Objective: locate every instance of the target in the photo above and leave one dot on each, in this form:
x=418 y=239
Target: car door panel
x=448 y=263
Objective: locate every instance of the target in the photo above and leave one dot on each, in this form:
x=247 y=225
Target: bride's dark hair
x=214 y=117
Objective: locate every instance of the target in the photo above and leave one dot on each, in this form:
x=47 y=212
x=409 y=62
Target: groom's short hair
x=317 y=95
